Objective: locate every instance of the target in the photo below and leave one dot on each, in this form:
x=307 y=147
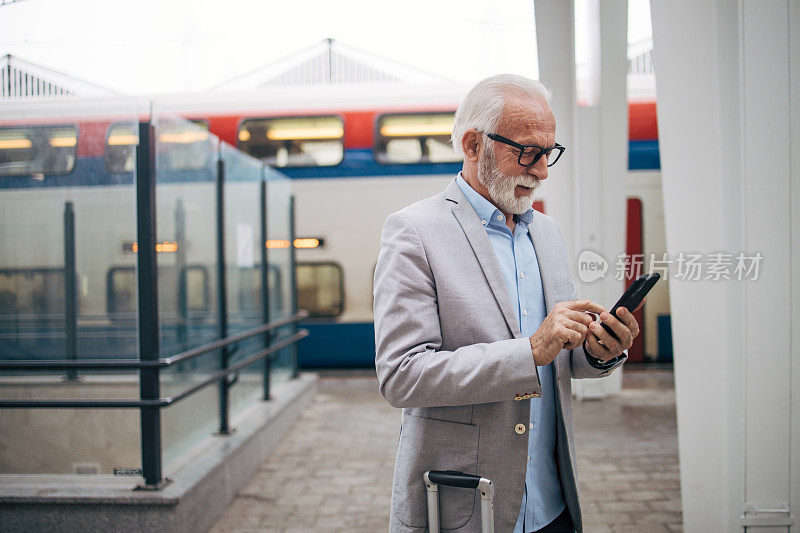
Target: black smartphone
x=633 y=296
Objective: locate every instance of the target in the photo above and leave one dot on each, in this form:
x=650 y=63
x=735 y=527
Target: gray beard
x=501 y=186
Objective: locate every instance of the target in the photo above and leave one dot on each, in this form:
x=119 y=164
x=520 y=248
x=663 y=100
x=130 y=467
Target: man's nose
x=539 y=170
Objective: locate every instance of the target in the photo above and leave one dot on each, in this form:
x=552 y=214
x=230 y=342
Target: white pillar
x=555 y=41
x=729 y=117
x=587 y=194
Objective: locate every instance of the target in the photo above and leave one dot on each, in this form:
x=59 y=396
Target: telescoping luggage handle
x=450 y=478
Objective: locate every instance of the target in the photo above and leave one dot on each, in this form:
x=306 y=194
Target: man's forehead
x=526 y=116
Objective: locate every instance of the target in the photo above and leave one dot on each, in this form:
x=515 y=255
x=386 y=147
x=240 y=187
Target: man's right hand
x=564 y=328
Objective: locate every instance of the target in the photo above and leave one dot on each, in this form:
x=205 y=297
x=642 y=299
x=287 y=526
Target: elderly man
x=478 y=331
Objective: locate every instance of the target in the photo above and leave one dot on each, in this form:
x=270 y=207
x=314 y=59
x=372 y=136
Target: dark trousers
x=562 y=524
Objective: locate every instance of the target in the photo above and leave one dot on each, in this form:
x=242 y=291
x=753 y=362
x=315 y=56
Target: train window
x=320 y=289
x=418 y=138
x=121 y=147
x=197 y=290
x=121 y=292
x=32 y=292
x=249 y=293
x=41 y=150
x=294 y=141
x=200 y=123
x=183 y=145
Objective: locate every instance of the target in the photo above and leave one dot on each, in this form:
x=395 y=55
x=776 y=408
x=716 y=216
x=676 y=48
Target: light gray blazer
x=450 y=353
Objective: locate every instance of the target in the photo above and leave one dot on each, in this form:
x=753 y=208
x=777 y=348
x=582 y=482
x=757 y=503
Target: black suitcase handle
x=451 y=478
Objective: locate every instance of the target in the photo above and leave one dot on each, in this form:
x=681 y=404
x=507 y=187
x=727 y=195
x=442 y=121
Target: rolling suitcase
x=449 y=478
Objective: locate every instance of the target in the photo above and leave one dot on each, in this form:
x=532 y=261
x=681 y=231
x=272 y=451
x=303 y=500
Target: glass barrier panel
x=281 y=370
x=194 y=418
x=63 y=194
x=279 y=190
x=186 y=246
x=61 y=211
x=186 y=230
x=249 y=387
x=33 y=149
x=120 y=149
x=243 y=176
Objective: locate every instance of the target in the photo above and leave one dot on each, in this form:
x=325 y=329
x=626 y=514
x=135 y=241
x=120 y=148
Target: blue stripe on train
x=642 y=155
x=360 y=163
x=337 y=345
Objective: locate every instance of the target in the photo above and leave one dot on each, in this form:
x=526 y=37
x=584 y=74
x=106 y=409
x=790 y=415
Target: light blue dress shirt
x=542 y=499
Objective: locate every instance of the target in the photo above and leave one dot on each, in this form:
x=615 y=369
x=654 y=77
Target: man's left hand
x=602 y=345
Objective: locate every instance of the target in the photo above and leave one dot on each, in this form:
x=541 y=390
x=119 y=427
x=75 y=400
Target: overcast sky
x=163 y=46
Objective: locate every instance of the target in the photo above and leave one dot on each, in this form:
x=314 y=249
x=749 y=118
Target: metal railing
x=150 y=363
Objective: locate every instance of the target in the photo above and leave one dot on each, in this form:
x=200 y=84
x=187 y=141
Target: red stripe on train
x=642 y=122
x=359 y=125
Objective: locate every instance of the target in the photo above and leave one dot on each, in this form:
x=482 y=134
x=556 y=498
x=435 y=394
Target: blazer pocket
x=430 y=444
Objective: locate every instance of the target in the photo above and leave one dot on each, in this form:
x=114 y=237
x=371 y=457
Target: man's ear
x=471 y=144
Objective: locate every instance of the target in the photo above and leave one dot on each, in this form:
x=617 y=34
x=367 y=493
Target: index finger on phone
x=585 y=305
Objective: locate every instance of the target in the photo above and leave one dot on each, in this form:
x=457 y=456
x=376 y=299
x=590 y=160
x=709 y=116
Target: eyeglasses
x=530 y=154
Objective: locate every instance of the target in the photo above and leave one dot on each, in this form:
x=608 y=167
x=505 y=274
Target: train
x=352 y=155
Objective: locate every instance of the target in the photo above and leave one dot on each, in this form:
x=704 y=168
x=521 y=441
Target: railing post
x=149 y=386
x=222 y=299
x=267 y=338
x=70 y=292
x=183 y=305
x=293 y=281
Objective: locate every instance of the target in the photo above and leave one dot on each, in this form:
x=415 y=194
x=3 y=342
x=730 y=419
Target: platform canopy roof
x=22 y=80
x=329 y=63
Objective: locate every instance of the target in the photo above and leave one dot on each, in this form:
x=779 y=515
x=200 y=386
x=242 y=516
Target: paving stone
x=666 y=505
x=643 y=495
x=623 y=507
x=639 y=528
x=333 y=471
x=664 y=476
x=301 y=500
x=612 y=486
x=614 y=519
x=670 y=487
x=598 y=495
x=597 y=527
x=659 y=517
x=625 y=476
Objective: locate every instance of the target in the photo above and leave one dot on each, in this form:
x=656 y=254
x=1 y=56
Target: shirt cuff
x=599 y=363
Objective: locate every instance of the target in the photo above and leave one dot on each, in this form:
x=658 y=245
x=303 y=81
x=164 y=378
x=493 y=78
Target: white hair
x=483 y=106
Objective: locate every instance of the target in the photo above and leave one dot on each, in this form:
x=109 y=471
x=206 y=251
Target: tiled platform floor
x=334 y=469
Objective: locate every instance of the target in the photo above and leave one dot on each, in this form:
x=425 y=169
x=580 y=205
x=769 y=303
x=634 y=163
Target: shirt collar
x=484 y=208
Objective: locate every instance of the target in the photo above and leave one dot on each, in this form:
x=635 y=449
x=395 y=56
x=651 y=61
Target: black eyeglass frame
x=523 y=147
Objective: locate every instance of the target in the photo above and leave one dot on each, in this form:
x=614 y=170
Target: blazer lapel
x=479 y=240
x=545 y=264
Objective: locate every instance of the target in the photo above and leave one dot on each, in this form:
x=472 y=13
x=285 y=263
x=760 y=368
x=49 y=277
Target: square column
x=587 y=193
x=729 y=117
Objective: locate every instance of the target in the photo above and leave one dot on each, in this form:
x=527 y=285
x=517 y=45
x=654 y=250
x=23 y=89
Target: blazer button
x=527 y=396
x=518 y=398
x=520 y=429
x=536 y=395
